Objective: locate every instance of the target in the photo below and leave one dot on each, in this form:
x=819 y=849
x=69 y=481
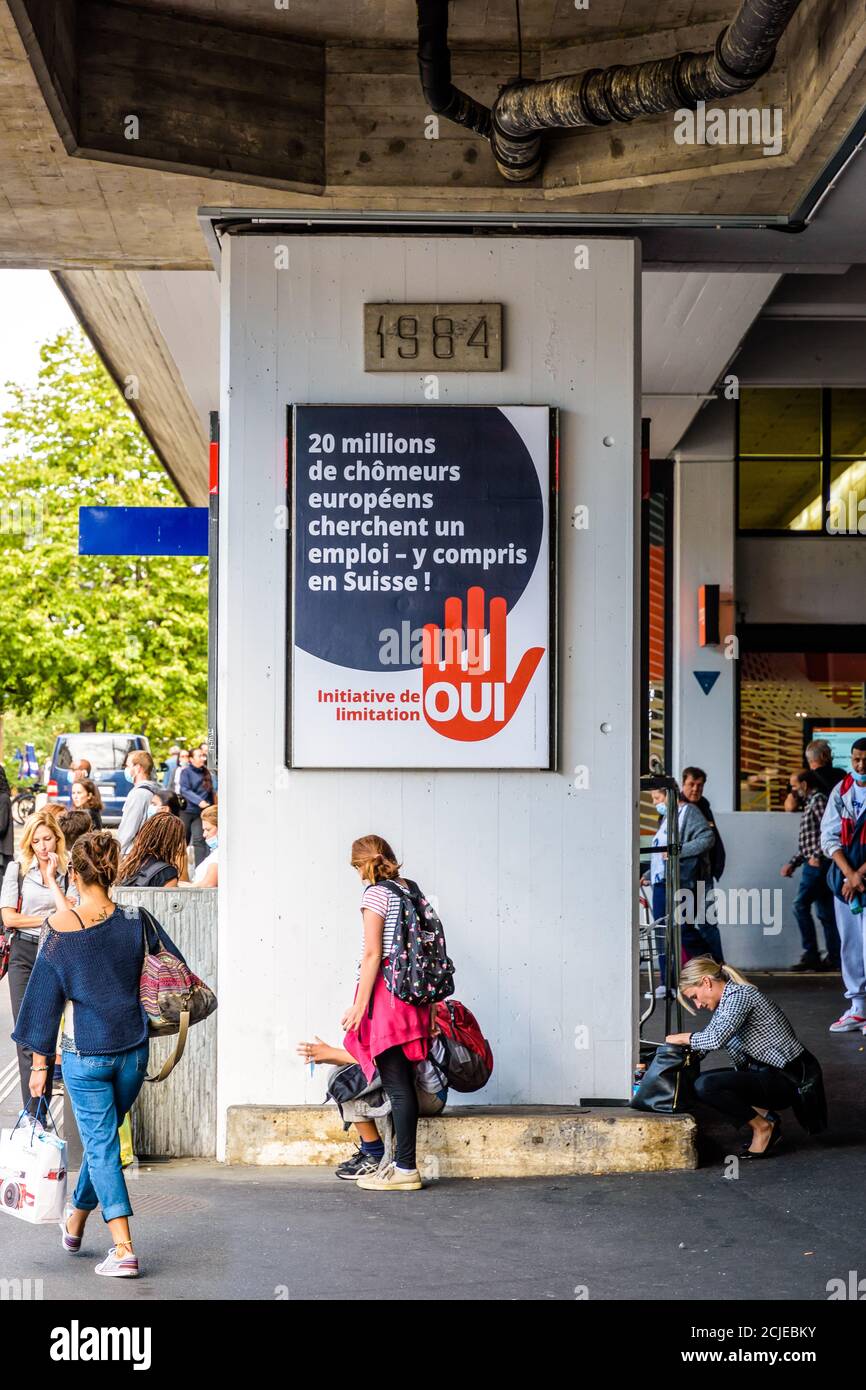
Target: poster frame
x=552 y=573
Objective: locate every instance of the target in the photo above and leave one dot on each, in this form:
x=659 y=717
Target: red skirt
x=394 y=1024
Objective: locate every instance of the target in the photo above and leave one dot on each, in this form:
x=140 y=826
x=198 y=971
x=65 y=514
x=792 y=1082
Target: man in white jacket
x=843 y=839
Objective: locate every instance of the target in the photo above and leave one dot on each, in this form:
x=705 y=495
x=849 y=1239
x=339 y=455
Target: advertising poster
x=422 y=586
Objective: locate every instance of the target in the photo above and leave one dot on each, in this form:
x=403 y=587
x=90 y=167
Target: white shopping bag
x=32 y=1172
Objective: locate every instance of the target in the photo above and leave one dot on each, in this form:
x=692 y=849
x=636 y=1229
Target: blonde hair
x=374 y=859
x=699 y=967
x=35 y=822
x=211 y=815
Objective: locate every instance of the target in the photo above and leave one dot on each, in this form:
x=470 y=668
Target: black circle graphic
x=475 y=498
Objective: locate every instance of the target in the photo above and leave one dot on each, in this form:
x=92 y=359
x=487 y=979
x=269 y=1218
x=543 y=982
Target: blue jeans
x=813 y=891
x=102 y=1090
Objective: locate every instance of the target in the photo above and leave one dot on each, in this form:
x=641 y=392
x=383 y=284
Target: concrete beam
x=114 y=311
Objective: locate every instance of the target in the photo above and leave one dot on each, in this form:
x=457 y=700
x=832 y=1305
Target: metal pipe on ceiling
x=744 y=51
x=434 y=62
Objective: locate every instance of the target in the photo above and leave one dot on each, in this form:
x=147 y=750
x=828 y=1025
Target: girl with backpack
x=384 y=1033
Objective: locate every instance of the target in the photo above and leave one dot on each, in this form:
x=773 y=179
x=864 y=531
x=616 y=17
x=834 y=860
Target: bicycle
x=24 y=804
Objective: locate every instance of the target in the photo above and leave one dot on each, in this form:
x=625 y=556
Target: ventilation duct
x=744 y=51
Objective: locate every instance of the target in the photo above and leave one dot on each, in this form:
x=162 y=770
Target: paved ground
x=781 y=1230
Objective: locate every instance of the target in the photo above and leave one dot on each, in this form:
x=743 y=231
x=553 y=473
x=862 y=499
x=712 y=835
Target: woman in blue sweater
x=88 y=970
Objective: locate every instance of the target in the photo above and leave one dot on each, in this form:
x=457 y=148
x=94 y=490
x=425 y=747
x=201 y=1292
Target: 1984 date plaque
x=432 y=337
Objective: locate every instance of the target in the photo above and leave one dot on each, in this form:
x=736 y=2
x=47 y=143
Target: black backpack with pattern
x=418 y=969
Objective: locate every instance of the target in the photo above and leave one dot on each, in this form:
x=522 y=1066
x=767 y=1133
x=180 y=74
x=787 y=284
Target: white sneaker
x=848 y=1023
x=71 y=1244
x=119 y=1267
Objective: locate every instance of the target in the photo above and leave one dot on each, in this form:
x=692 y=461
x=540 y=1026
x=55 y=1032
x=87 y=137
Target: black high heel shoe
x=775 y=1120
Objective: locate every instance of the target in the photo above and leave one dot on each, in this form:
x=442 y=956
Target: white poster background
x=320 y=740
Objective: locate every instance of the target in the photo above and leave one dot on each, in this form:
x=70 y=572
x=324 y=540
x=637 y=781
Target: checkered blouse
x=751 y=1027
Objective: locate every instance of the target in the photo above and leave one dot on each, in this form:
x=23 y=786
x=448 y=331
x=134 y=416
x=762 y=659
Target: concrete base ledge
x=520 y=1141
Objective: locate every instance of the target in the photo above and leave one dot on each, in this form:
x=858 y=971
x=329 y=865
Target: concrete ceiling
x=472 y=21
x=66 y=210
x=692 y=326
x=163 y=327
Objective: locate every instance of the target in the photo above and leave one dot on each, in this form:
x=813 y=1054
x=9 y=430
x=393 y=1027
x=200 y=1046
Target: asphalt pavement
x=776 y=1230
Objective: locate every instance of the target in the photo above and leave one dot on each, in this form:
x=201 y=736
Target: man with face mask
x=843 y=839
x=139 y=773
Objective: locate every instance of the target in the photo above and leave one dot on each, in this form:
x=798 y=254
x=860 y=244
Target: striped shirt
x=751 y=1027
x=383 y=900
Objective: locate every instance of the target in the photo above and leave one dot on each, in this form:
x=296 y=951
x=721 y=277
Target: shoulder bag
x=172 y=996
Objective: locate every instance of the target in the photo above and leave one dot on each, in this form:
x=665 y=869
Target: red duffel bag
x=460 y=1049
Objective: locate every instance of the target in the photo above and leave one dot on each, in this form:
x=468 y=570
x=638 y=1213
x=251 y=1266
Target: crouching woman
x=772 y=1069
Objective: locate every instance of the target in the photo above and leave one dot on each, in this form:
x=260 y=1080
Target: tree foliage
x=121 y=640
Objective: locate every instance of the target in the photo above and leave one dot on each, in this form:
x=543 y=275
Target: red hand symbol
x=463 y=698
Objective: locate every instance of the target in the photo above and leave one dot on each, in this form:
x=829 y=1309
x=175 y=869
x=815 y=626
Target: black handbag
x=668 y=1086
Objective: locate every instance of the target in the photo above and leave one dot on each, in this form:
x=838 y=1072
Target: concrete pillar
x=534 y=876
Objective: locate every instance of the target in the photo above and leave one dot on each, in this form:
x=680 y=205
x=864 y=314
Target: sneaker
x=661 y=991
x=71 y=1244
x=393 y=1179
x=848 y=1023
x=830 y=966
x=124 y=1267
x=807 y=963
x=356 y=1166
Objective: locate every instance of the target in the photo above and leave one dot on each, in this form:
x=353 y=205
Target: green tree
x=120 y=640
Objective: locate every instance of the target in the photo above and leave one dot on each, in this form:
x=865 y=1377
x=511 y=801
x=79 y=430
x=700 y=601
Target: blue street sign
x=142 y=531
x=706 y=680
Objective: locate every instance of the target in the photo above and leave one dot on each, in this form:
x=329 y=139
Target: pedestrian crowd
x=77 y=995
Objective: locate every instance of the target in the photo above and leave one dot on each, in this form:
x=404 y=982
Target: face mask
x=151 y=811
x=128 y=775
x=859 y=778
x=212 y=844
x=71 y=775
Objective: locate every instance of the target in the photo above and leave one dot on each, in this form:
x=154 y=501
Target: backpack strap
x=393 y=885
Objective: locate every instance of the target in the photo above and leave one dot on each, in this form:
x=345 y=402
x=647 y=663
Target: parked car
x=107 y=754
